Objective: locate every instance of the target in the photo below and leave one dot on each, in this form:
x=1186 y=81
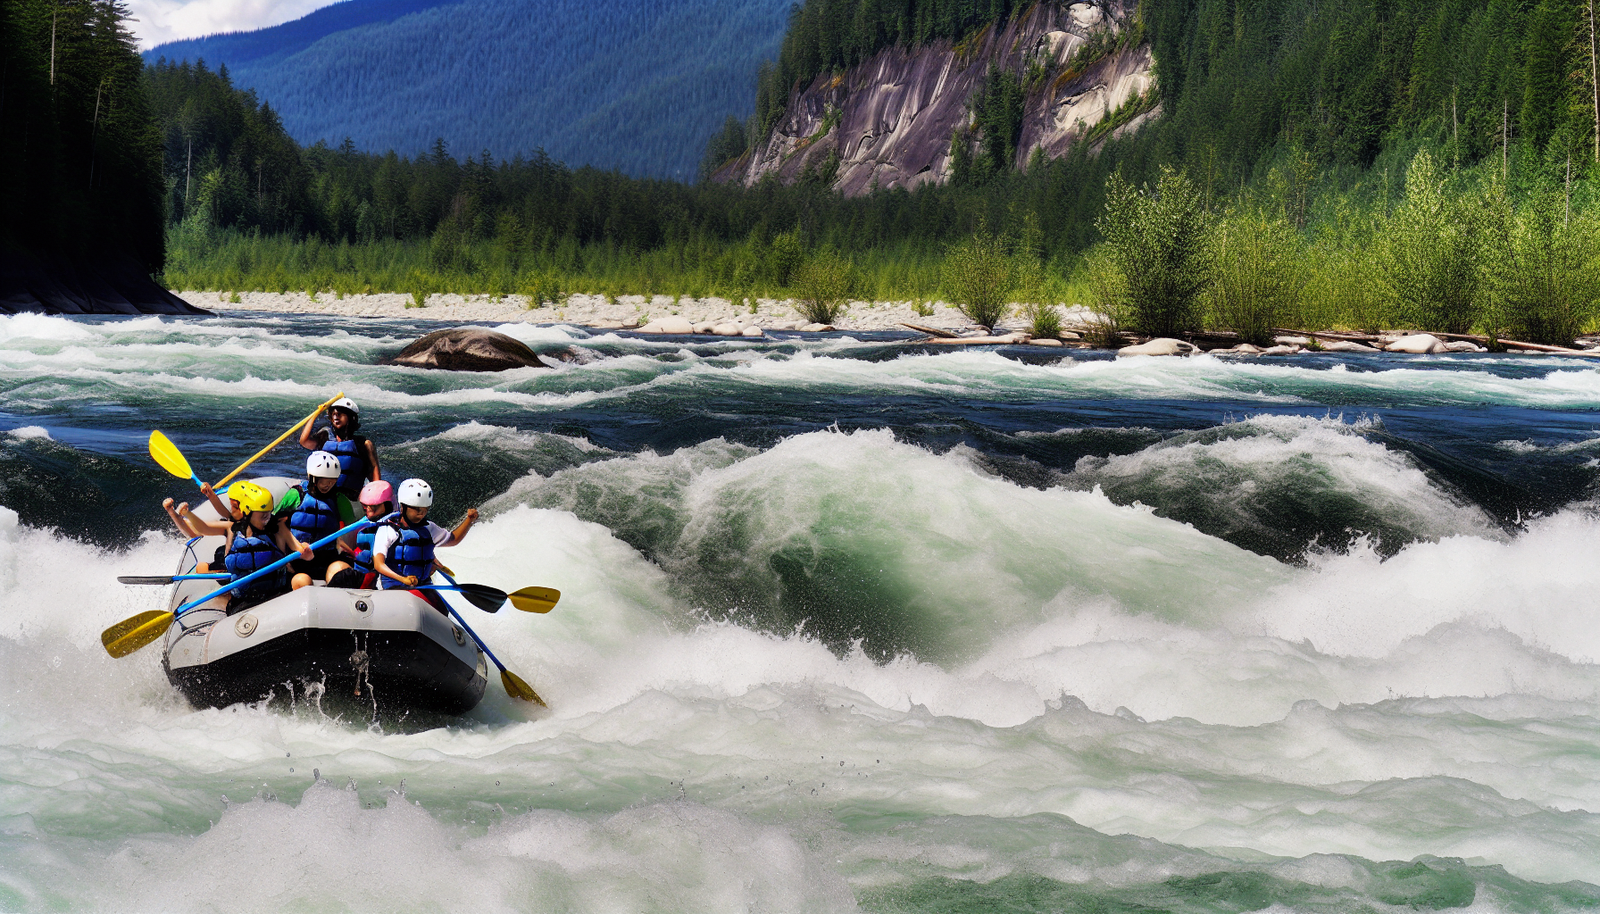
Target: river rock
x=1464 y=346
x=1417 y=344
x=468 y=349
x=673 y=324
x=753 y=332
x=1161 y=345
x=816 y=328
x=704 y=327
x=1347 y=346
x=1045 y=341
x=1281 y=349
x=726 y=330
x=1071 y=336
x=1291 y=340
x=1247 y=349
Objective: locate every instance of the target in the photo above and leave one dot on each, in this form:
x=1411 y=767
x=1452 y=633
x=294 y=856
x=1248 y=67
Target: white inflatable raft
x=389 y=646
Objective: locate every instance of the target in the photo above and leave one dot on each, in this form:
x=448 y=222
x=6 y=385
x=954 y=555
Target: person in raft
x=358 y=459
x=314 y=509
x=377 y=499
x=195 y=527
x=259 y=538
x=402 y=550
x=191 y=526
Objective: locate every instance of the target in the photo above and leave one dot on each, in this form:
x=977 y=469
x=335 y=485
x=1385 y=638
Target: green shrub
x=1545 y=278
x=1158 y=239
x=1044 y=321
x=1257 y=278
x=1428 y=253
x=824 y=285
x=1108 y=298
x=980 y=278
x=541 y=288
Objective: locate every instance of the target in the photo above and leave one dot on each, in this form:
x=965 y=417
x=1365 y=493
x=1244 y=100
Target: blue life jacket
x=411 y=554
x=253 y=552
x=353 y=466
x=316 y=516
x=363 y=554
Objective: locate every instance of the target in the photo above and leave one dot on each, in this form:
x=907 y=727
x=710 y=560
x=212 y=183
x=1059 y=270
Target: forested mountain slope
x=80 y=165
x=1242 y=84
x=632 y=85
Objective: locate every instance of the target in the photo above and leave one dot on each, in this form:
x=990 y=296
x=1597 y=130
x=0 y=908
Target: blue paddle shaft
x=468 y=629
x=270 y=568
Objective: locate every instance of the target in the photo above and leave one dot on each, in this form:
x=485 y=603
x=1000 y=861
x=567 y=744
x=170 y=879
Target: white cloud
x=168 y=20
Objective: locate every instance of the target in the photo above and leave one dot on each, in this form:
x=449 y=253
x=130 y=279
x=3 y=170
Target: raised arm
x=310 y=439
x=372 y=461
x=178 y=519
x=460 y=532
x=202 y=527
x=223 y=510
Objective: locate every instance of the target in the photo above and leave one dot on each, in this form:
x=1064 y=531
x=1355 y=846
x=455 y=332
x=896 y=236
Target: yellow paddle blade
x=536 y=599
x=516 y=688
x=164 y=452
x=129 y=635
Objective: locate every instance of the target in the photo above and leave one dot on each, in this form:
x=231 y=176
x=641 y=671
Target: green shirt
x=291 y=500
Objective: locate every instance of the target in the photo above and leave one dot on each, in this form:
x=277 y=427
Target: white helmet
x=347 y=404
x=323 y=464
x=416 y=493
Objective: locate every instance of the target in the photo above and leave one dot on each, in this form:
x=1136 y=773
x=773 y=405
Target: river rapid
x=845 y=625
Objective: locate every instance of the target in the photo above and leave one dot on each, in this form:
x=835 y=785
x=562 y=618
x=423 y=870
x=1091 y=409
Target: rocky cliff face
x=889 y=122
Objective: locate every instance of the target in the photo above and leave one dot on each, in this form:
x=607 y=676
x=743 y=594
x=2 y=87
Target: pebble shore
x=585 y=310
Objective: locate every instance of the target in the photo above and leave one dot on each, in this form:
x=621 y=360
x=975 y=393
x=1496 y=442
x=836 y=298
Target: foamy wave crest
x=1279 y=484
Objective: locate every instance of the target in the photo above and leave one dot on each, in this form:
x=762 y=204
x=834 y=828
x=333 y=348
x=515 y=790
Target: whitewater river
x=845 y=625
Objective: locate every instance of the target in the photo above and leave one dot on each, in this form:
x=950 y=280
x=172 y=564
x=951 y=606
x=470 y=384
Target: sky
x=167 y=20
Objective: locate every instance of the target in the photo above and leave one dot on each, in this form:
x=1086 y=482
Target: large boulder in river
x=468 y=349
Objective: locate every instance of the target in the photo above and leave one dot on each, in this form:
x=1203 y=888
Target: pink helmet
x=376 y=492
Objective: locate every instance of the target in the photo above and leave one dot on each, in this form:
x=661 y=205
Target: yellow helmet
x=251 y=497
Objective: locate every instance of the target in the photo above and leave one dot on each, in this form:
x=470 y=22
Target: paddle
x=513 y=683
x=165 y=453
x=528 y=599
x=129 y=635
x=169 y=578
x=292 y=429
x=535 y=599
x=486 y=598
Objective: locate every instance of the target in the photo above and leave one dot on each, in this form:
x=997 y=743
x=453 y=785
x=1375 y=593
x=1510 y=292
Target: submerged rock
x=468 y=349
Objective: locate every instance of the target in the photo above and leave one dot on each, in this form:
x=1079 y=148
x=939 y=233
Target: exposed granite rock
x=889 y=120
x=1417 y=344
x=468 y=349
x=1161 y=345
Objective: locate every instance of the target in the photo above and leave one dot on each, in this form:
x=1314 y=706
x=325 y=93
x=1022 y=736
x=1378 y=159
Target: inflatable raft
x=387 y=646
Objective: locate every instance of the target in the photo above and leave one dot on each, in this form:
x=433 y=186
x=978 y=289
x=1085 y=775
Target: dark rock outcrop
x=109 y=285
x=468 y=349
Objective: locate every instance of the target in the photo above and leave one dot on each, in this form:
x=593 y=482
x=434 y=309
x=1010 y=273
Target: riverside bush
x=824 y=285
x=1108 y=298
x=1159 y=240
x=1257 y=280
x=1545 y=277
x=980 y=278
x=1428 y=253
